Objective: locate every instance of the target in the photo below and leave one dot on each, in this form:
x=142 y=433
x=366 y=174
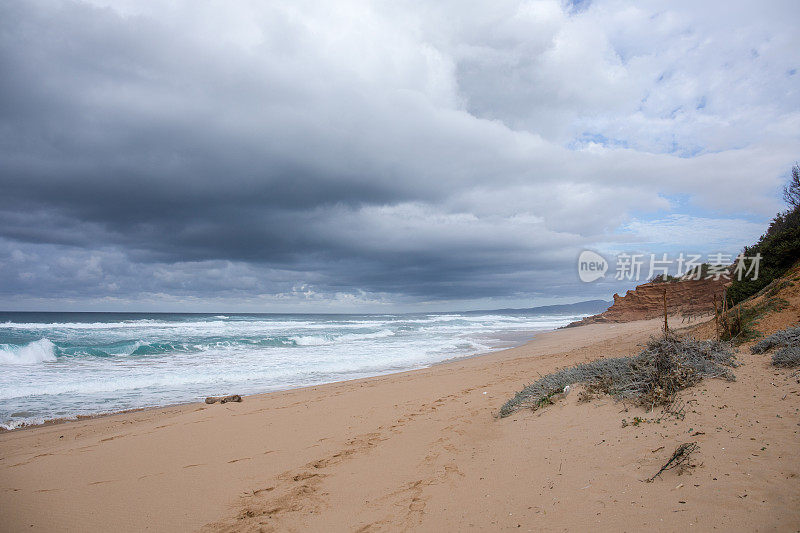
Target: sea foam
x=41 y=351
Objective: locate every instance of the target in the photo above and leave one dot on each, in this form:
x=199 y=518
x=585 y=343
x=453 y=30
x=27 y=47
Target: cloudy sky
x=379 y=156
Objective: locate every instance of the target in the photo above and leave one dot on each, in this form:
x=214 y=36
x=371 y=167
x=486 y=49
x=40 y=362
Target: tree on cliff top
x=791 y=191
x=779 y=246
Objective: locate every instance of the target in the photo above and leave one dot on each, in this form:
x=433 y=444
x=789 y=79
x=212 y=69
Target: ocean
x=63 y=365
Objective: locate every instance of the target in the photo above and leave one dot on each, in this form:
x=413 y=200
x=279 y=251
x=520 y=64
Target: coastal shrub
x=779 y=248
x=664 y=367
x=664 y=278
x=789 y=337
x=739 y=324
x=692 y=273
x=787 y=357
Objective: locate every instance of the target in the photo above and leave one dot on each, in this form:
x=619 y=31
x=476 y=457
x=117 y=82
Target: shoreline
x=78 y=418
x=307 y=459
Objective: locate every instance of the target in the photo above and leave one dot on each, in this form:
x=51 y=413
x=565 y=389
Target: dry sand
x=423 y=450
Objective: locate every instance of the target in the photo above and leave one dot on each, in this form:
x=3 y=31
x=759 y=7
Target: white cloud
x=694 y=233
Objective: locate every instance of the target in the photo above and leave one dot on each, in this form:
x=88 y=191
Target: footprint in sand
x=416 y=504
x=114 y=437
x=304 y=475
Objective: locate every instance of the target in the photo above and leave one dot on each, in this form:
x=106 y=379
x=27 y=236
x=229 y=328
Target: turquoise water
x=61 y=365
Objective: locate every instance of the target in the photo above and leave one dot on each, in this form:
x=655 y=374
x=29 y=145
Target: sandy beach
x=451 y=266
x=423 y=450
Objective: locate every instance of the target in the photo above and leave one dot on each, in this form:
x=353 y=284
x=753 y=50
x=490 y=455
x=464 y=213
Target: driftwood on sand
x=224 y=399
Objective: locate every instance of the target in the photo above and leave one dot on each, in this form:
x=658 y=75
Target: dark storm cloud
x=194 y=151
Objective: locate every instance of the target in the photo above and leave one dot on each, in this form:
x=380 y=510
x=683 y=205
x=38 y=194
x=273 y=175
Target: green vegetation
x=664 y=278
x=779 y=246
x=664 y=367
x=693 y=274
x=697 y=272
x=739 y=325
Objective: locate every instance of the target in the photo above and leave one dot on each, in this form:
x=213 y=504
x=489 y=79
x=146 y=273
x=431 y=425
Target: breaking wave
x=41 y=351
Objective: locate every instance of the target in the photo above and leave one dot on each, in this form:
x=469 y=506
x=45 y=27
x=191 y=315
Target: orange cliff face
x=686 y=297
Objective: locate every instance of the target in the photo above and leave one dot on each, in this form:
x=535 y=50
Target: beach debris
x=224 y=399
x=553 y=398
x=651 y=378
x=681 y=458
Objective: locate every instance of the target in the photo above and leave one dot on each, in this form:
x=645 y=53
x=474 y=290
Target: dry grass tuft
x=785 y=338
x=787 y=357
x=651 y=378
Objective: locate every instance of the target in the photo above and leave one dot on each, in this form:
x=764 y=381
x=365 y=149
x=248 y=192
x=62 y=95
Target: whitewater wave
x=309 y=340
x=156 y=360
x=41 y=351
x=382 y=334
x=320 y=340
x=25 y=422
x=130 y=324
x=218 y=324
